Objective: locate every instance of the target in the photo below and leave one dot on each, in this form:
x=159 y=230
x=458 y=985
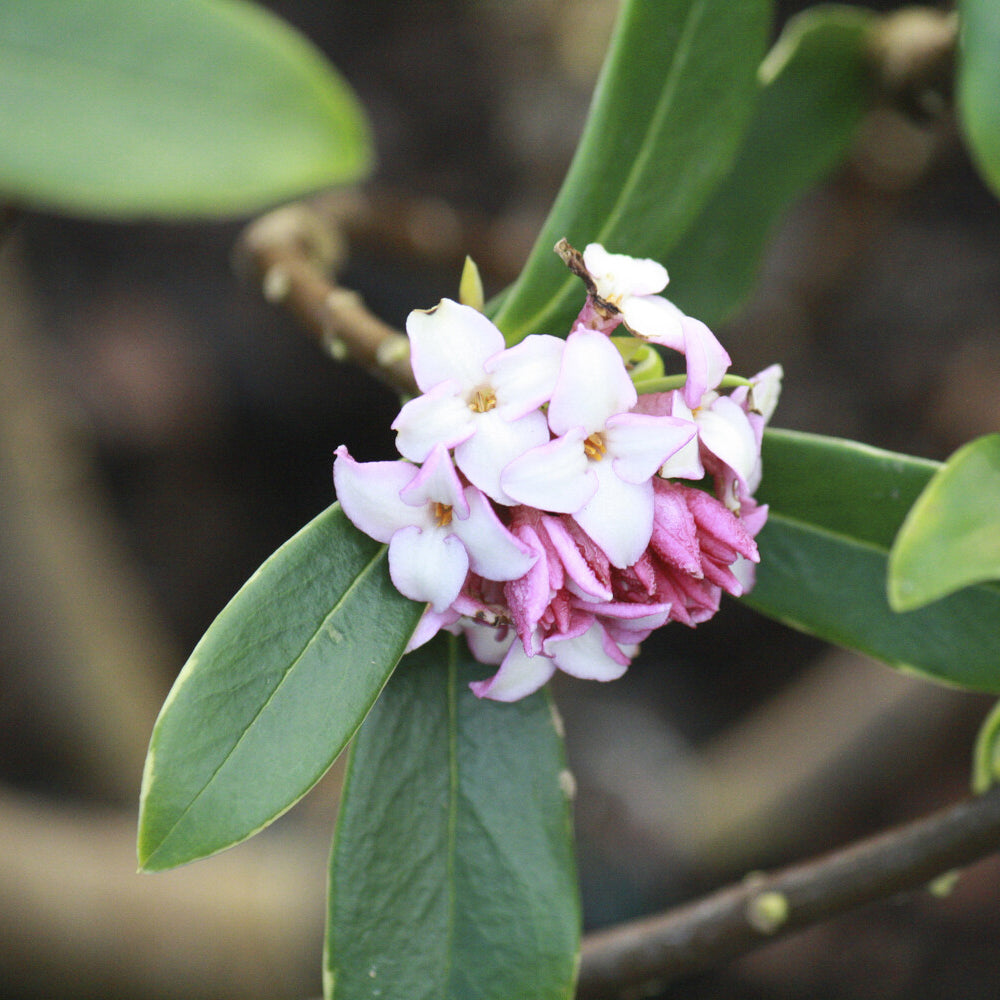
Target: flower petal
x=428 y=565
x=655 y=318
x=496 y=443
x=725 y=431
x=616 y=275
x=437 y=482
x=524 y=376
x=494 y=553
x=451 y=341
x=639 y=444
x=592 y=386
x=369 y=493
x=593 y=656
x=554 y=477
x=519 y=675
x=707 y=360
x=440 y=416
x=619 y=517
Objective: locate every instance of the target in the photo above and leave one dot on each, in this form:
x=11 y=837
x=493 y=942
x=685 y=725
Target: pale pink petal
x=369 y=495
x=451 y=341
x=524 y=376
x=488 y=644
x=685 y=463
x=428 y=565
x=592 y=386
x=639 y=444
x=593 y=656
x=494 y=553
x=554 y=477
x=429 y=625
x=576 y=566
x=656 y=319
x=528 y=596
x=726 y=432
x=437 y=482
x=440 y=416
x=496 y=443
x=765 y=391
x=617 y=275
x=706 y=358
x=619 y=517
x=519 y=675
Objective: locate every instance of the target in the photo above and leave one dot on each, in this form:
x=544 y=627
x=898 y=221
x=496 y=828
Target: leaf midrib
x=286 y=673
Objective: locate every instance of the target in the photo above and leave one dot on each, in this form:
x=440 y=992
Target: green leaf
x=671 y=103
x=986 y=757
x=835 y=508
x=272 y=692
x=452 y=875
x=979 y=84
x=951 y=536
x=177 y=109
x=815 y=89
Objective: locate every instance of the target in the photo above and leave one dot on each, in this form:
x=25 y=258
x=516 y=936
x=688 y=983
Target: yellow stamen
x=442 y=515
x=483 y=400
x=595 y=448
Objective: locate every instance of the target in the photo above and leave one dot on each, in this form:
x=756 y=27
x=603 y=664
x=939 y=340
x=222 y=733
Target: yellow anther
x=595 y=448
x=442 y=515
x=483 y=400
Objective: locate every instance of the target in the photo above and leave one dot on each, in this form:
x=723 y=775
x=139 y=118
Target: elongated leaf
x=951 y=536
x=673 y=98
x=272 y=693
x=185 y=108
x=452 y=875
x=815 y=89
x=835 y=508
x=979 y=84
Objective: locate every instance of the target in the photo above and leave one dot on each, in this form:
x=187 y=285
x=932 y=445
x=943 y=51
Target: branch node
x=275 y=284
x=767 y=911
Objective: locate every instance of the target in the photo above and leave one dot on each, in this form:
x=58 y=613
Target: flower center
x=483 y=399
x=594 y=447
x=442 y=515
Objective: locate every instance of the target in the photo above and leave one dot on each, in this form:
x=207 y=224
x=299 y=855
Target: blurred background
x=162 y=430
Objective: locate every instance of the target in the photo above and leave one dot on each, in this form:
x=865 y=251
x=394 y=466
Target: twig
x=291 y=254
x=692 y=938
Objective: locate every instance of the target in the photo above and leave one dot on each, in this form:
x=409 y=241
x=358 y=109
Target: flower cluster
x=540 y=506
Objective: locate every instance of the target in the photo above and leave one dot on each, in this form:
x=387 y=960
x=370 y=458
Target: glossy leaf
x=835 y=508
x=188 y=108
x=815 y=89
x=272 y=693
x=452 y=876
x=951 y=536
x=979 y=84
x=674 y=95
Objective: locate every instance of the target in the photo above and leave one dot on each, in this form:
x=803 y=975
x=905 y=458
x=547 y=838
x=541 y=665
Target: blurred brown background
x=162 y=431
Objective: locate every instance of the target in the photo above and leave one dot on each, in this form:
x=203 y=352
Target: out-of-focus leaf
x=986 y=758
x=452 y=875
x=979 y=84
x=835 y=508
x=951 y=536
x=815 y=88
x=177 y=109
x=272 y=693
x=672 y=101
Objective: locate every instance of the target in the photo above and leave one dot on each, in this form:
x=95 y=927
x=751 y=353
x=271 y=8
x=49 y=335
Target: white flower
x=478 y=398
x=599 y=469
x=436 y=529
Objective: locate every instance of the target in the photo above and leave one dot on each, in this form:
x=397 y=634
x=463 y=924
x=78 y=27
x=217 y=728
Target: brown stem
x=290 y=254
x=735 y=920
